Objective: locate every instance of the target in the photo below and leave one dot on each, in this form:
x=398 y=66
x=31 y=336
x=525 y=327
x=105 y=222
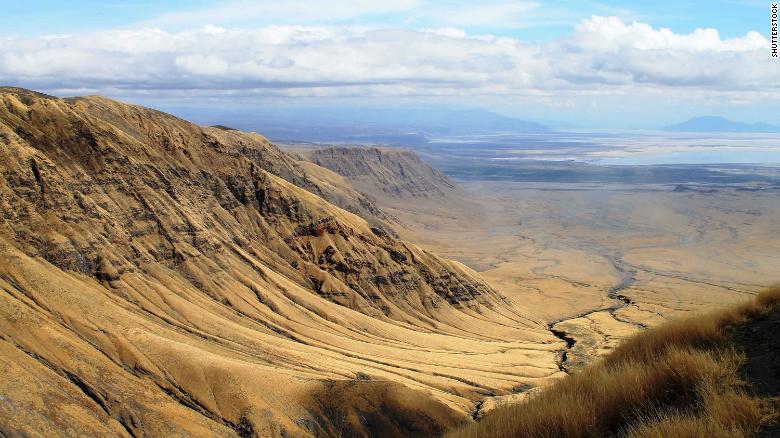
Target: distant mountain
x=476 y=121
x=557 y=124
x=720 y=124
x=406 y=126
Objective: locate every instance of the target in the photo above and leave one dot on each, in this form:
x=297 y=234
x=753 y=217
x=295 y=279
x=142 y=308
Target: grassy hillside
x=685 y=378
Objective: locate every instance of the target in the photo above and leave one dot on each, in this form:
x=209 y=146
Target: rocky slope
x=391 y=172
x=162 y=279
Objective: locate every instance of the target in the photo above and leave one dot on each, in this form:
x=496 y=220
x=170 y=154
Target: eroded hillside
x=163 y=279
x=383 y=171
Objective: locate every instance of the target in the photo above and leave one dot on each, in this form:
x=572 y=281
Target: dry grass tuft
x=680 y=379
x=703 y=331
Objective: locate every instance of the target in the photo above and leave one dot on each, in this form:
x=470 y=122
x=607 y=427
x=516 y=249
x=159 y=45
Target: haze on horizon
x=594 y=64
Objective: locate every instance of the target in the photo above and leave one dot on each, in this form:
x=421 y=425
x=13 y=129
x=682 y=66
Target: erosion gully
x=620 y=301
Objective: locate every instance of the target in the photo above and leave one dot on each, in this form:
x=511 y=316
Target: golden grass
x=680 y=379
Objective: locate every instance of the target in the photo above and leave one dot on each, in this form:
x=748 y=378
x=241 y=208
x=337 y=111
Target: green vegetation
x=680 y=379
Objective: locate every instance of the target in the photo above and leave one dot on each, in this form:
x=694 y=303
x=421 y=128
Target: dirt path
x=760 y=340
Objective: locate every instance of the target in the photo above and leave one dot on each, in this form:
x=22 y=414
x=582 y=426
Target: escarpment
x=159 y=278
x=185 y=191
x=386 y=171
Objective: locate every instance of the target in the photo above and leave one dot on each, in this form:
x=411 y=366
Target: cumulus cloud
x=602 y=55
x=610 y=34
x=609 y=51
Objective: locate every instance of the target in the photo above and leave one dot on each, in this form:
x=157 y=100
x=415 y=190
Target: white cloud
x=610 y=34
x=610 y=51
x=200 y=65
x=603 y=56
x=213 y=30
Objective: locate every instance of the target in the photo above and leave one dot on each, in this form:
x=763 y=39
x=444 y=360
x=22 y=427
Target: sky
x=601 y=64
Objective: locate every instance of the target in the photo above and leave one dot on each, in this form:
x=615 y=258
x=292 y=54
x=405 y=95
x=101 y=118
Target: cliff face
x=158 y=278
x=383 y=171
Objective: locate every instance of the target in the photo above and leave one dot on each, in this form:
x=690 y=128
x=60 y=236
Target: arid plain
x=599 y=261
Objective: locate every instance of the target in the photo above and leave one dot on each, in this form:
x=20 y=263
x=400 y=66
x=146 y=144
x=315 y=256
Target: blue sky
x=596 y=63
x=731 y=17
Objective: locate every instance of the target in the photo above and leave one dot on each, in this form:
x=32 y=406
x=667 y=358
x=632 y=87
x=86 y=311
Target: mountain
x=555 y=125
x=398 y=173
x=159 y=278
x=477 y=120
x=720 y=124
x=400 y=126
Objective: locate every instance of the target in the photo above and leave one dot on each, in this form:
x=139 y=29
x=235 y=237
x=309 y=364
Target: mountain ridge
x=396 y=126
x=394 y=172
x=158 y=277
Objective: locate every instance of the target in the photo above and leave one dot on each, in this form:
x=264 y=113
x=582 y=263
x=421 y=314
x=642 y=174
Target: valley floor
x=597 y=262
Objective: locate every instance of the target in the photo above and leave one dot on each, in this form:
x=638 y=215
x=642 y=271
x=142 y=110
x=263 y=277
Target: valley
x=367 y=219
x=597 y=261
x=162 y=278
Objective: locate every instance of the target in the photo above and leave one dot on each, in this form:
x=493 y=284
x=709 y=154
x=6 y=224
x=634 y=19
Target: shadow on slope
x=374 y=408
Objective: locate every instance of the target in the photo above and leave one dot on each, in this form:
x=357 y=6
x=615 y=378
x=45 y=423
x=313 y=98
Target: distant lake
x=695 y=157
x=614 y=148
